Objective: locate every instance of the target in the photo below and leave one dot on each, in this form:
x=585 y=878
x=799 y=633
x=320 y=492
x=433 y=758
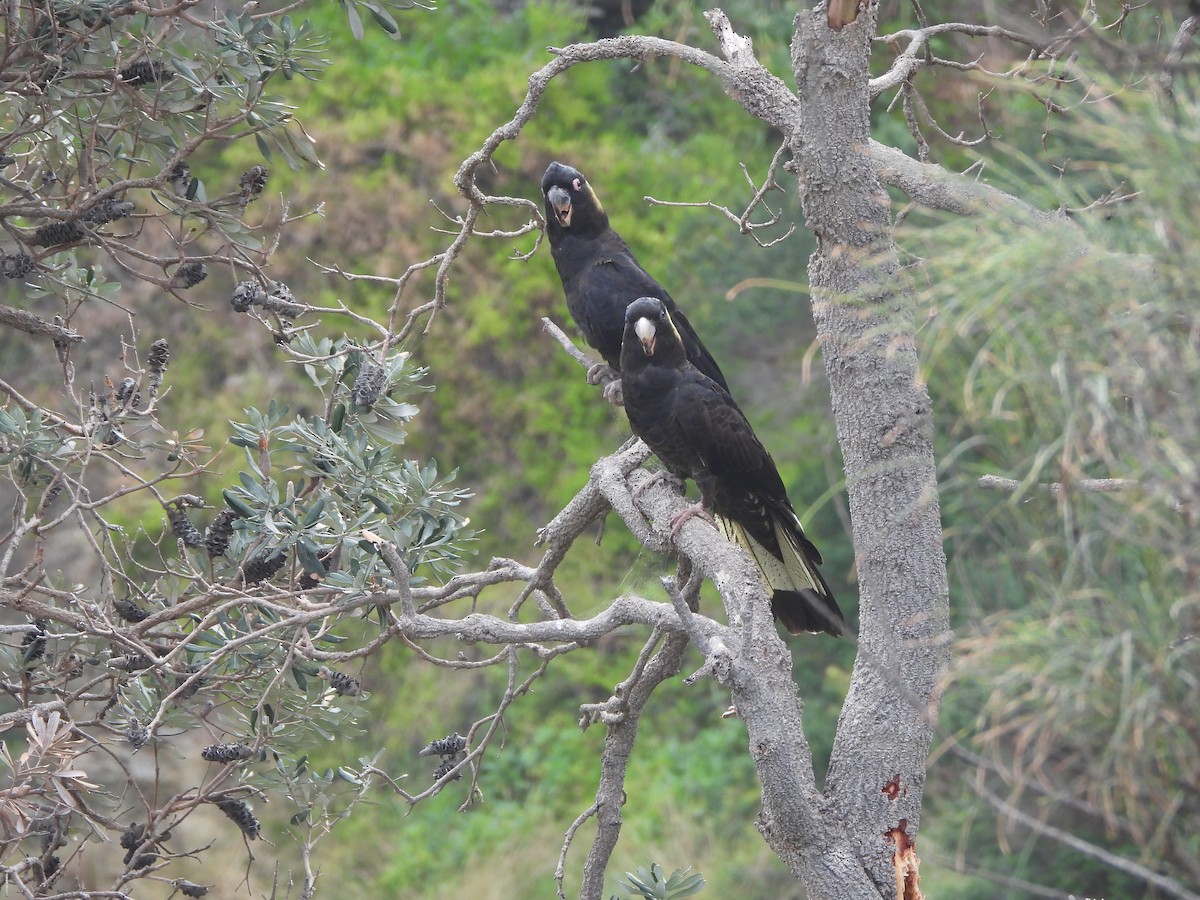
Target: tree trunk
x=882 y=409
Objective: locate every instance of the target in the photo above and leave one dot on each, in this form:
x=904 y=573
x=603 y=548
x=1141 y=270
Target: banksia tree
x=104 y=107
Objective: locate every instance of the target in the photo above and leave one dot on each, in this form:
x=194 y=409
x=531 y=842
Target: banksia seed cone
x=130 y=611
x=242 y=815
x=447 y=746
x=216 y=538
x=131 y=839
x=156 y=363
x=444 y=769
x=16 y=265
x=346 y=685
x=182 y=527
x=245 y=295
x=52 y=234
x=224 y=753
x=108 y=211
x=158 y=357
x=282 y=302
x=145 y=71
x=263 y=565
x=192 y=689
x=137 y=734
x=369 y=385
x=33 y=645
x=133 y=663
x=189 y=275
x=252 y=183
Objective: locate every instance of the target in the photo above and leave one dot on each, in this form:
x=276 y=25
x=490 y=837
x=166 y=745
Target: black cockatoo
x=697 y=431
x=601 y=276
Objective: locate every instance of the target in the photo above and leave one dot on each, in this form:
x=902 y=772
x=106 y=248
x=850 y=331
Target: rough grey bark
x=883 y=415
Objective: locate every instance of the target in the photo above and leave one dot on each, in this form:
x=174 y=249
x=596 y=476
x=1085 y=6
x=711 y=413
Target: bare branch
x=745 y=226
x=618 y=748
x=914 y=57
x=567 y=344
x=1086 y=485
x=36 y=325
x=934 y=187
x=1174 y=59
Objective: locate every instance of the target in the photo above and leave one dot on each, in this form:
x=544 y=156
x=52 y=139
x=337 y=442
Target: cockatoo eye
x=577 y=184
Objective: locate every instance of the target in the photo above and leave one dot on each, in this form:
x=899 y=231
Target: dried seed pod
x=132 y=838
x=156 y=364
x=444 y=769
x=245 y=295
x=16 y=265
x=190 y=890
x=252 y=183
x=189 y=275
x=239 y=811
x=329 y=559
x=447 y=746
x=182 y=527
x=50 y=867
x=145 y=71
x=218 y=533
x=225 y=753
x=263 y=565
x=33 y=645
x=52 y=234
x=158 y=357
x=109 y=210
x=346 y=685
x=281 y=301
x=192 y=689
x=133 y=663
x=130 y=611
x=137 y=734
x=369 y=385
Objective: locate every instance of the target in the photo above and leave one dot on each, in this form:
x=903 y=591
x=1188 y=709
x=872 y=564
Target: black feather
x=600 y=274
x=697 y=431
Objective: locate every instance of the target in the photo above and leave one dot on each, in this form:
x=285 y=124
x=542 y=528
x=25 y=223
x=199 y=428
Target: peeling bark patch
x=893 y=789
x=904 y=860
